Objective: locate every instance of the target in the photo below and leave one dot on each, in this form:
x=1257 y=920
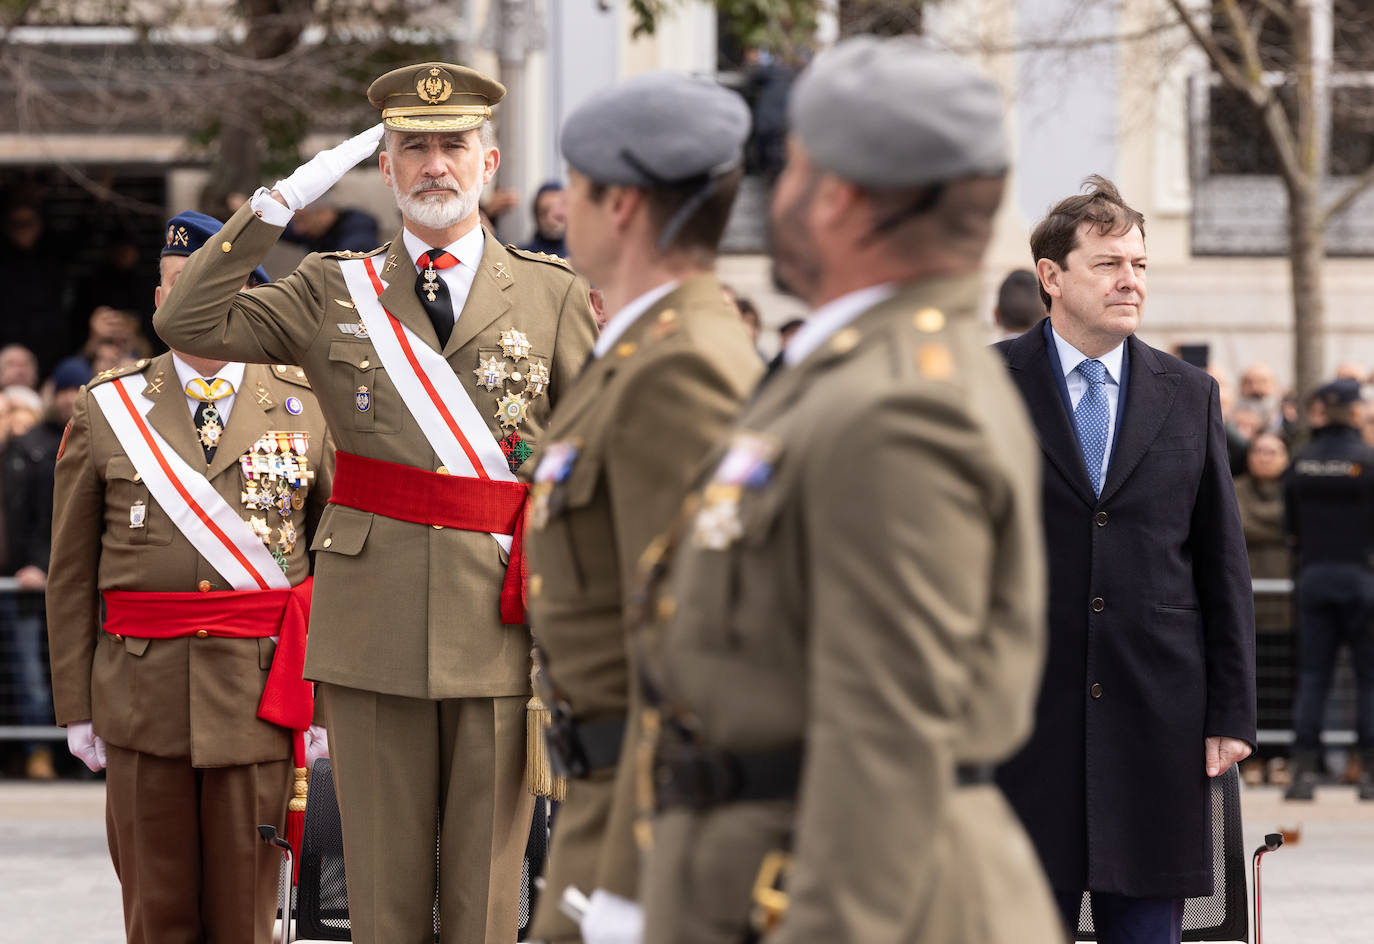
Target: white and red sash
x=431 y=391
x=215 y=529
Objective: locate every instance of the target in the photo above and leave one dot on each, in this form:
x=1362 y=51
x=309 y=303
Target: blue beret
x=896 y=114
x=189 y=230
x=659 y=129
x=1339 y=392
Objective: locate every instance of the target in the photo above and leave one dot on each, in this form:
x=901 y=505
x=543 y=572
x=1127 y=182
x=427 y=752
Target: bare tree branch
x=1349 y=196
x=1278 y=11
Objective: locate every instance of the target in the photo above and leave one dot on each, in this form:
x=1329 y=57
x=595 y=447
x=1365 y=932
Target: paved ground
x=56 y=882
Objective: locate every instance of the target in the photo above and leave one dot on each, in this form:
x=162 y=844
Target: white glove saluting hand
x=316 y=744
x=313 y=179
x=611 y=919
x=86 y=745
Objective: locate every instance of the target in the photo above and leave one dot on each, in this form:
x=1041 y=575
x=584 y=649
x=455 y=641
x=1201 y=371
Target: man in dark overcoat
x=1149 y=685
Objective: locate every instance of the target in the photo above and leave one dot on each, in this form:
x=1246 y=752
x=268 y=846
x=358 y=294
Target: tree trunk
x=1307 y=239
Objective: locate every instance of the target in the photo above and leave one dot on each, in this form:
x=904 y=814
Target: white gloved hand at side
x=611 y=919
x=86 y=745
x=316 y=744
x=313 y=179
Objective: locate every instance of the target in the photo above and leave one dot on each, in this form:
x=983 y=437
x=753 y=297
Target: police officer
x=1329 y=515
x=187 y=494
x=655 y=164
x=854 y=620
x=437 y=359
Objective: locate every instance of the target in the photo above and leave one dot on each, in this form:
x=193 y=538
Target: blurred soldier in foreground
x=1329 y=509
x=655 y=166
x=436 y=359
x=854 y=625
x=187 y=492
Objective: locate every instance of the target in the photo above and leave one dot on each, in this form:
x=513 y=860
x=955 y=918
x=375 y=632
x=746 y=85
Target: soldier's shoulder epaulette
x=933 y=350
x=353 y=254
x=545 y=257
x=123 y=370
x=291 y=374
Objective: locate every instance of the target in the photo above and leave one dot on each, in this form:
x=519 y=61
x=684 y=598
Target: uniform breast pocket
x=358 y=363
x=131 y=515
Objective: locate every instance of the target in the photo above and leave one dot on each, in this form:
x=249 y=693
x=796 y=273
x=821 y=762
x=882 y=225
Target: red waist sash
x=406 y=493
x=287 y=698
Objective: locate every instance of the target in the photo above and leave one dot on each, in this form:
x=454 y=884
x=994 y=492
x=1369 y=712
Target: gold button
x=442 y=470
x=138 y=476
x=365 y=364
x=226 y=246
x=281 y=368
x=202 y=634
x=203 y=586
x=437 y=527
x=929 y=320
x=536 y=584
x=258 y=214
x=299 y=372
x=328 y=541
x=141 y=364
x=515 y=375
x=626 y=348
x=118 y=638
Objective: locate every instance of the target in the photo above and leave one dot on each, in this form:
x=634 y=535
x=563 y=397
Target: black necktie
x=209 y=426
x=433 y=292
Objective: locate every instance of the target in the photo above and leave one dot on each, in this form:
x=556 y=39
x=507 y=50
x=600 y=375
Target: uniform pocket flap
x=119 y=467
x=136 y=645
x=358 y=353
x=342 y=530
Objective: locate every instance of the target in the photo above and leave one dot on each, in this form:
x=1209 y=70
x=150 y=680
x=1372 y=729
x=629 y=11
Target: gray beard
x=437 y=212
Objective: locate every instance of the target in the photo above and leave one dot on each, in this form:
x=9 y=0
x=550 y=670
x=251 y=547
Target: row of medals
x=493 y=373
x=275 y=472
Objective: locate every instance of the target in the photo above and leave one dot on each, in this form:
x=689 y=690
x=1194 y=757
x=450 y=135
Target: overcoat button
x=1099 y=604
x=1101 y=518
x=1096 y=690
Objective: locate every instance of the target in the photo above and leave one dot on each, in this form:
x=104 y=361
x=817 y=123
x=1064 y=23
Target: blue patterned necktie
x=1090 y=418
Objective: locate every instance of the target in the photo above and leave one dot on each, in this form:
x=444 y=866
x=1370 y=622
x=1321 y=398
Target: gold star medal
x=515 y=344
x=490 y=372
x=510 y=410
x=536 y=379
x=287 y=537
x=210 y=433
x=261 y=528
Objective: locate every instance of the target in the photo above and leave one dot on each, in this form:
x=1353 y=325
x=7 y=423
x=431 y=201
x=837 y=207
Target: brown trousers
x=410 y=772
x=185 y=846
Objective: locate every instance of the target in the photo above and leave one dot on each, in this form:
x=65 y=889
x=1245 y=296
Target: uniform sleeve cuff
x=268 y=209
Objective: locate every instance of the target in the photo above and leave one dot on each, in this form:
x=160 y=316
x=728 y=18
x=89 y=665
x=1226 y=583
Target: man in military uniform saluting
x=436 y=360
x=655 y=164
x=187 y=492
x=885 y=470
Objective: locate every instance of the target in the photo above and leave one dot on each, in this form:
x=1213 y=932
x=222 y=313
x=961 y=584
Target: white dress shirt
x=621 y=320
x=466 y=249
x=1069 y=359
x=232 y=372
x=831 y=317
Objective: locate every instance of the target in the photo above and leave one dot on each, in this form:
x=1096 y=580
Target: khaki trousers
x=185 y=846
x=413 y=772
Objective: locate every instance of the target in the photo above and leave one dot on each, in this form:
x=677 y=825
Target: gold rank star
x=510 y=410
x=490 y=372
x=515 y=344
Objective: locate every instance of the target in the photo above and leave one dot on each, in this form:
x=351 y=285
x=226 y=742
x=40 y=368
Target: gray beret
x=657 y=129
x=897 y=113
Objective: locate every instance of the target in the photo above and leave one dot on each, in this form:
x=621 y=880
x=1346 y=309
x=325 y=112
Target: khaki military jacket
x=187 y=697
x=401 y=608
x=631 y=435
x=864 y=579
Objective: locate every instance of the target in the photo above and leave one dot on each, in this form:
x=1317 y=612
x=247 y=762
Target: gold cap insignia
x=177 y=236
x=434 y=86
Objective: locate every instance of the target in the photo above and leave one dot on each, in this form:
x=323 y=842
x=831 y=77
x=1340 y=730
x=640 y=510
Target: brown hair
x=1100 y=204
x=700 y=234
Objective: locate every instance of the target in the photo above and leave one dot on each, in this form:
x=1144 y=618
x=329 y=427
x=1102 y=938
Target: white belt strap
x=214 y=528
x=431 y=391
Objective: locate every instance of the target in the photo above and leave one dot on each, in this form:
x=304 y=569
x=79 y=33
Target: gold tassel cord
x=539 y=773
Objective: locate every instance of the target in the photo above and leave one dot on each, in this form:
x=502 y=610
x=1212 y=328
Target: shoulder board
x=114 y=372
x=350 y=254
x=291 y=374
x=547 y=257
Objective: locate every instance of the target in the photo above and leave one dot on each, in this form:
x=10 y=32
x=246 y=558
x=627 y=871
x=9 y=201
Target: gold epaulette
x=548 y=257
x=291 y=374
x=121 y=371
